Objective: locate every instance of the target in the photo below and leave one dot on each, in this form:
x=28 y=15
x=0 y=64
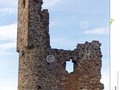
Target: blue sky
x=71 y=22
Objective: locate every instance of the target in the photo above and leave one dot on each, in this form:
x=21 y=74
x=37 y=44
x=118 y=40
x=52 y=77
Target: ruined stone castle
x=44 y=68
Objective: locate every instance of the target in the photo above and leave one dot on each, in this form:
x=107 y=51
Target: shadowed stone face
x=44 y=68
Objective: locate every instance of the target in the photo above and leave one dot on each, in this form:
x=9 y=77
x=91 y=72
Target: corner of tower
x=33 y=24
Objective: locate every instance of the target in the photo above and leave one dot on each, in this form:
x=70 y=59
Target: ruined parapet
x=88 y=66
x=44 y=68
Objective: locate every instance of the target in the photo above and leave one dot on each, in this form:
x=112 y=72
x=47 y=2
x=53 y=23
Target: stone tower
x=44 y=68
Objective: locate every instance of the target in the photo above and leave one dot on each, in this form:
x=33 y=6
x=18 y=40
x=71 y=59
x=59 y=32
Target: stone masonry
x=44 y=68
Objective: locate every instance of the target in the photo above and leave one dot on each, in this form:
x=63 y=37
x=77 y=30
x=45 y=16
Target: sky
x=71 y=22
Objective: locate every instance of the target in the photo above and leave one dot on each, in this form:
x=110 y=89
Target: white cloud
x=105 y=80
x=8 y=7
x=8 y=10
x=8 y=45
x=7 y=48
x=8 y=35
x=7 y=81
x=5 y=52
x=50 y=3
x=7 y=1
x=63 y=43
x=97 y=31
x=8 y=32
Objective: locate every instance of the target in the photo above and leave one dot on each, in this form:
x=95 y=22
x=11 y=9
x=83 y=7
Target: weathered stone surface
x=44 y=68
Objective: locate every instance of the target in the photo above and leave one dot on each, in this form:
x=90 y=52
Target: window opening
x=69 y=66
x=24 y=2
